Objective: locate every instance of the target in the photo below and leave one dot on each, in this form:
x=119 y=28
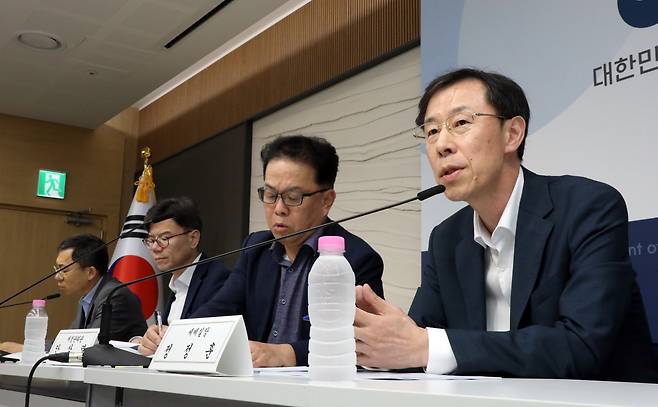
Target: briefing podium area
x=55 y=386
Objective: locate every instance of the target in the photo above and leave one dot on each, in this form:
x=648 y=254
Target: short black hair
x=181 y=209
x=87 y=251
x=313 y=151
x=505 y=95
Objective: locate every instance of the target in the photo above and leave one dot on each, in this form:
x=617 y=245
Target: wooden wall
x=310 y=48
x=33 y=226
x=92 y=159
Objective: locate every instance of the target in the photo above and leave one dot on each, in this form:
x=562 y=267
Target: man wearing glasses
x=86 y=277
x=268 y=286
x=174 y=227
x=532 y=278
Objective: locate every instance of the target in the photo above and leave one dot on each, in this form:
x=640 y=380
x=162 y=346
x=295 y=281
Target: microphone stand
x=105 y=354
x=47 y=297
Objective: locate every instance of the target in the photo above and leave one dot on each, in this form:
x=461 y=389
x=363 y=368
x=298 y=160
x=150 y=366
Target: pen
x=158 y=319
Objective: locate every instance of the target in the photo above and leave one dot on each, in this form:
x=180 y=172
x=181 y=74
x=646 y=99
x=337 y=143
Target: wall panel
x=313 y=46
x=368 y=118
x=215 y=174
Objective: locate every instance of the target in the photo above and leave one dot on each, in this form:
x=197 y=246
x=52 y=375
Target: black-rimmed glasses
x=162 y=241
x=290 y=198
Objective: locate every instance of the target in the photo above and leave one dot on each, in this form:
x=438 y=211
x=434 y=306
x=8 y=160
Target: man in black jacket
x=88 y=280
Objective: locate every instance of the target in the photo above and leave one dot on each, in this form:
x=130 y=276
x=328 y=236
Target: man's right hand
x=151 y=340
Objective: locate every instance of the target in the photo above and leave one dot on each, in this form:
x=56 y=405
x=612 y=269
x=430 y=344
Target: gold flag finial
x=146 y=154
x=145 y=183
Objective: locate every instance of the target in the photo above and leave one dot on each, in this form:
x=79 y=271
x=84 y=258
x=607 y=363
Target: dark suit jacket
x=576 y=311
x=206 y=281
x=127 y=318
x=252 y=288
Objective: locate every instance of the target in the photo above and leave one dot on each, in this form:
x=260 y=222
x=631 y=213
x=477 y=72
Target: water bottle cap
x=38 y=303
x=331 y=243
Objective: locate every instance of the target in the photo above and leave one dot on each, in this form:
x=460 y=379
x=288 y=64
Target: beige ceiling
x=114 y=54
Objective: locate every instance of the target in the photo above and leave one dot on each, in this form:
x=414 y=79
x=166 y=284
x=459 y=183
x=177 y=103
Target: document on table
x=127 y=346
x=16 y=356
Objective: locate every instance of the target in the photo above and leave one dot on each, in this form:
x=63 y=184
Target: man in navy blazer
x=174 y=226
x=207 y=280
x=269 y=284
x=254 y=286
x=532 y=279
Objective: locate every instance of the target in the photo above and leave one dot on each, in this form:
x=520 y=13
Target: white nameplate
x=74 y=340
x=205 y=345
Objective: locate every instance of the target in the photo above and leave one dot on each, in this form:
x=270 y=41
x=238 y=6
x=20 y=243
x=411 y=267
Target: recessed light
x=39 y=40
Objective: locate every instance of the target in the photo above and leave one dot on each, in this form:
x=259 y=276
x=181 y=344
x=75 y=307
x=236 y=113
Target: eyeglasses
x=290 y=198
x=162 y=241
x=456 y=124
x=61 y=270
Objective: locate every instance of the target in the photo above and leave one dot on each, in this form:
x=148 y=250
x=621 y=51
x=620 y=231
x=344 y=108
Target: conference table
x=140 y=386
x=105 y=386
x=52 y=386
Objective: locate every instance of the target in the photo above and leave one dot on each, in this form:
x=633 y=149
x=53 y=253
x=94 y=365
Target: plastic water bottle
x=331 y=297
x=36 y=326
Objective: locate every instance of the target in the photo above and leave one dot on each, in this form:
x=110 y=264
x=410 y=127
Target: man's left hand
x=11 y=347
x=272 y=354
x=385 y=336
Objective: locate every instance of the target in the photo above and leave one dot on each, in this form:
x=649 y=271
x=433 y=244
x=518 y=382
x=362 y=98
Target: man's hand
x=385 y=336
x=272 y=354
x=11 y=347
x=151 y=340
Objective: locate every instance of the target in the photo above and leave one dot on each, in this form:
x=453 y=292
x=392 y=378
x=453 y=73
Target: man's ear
x=328 y=199
x=92 y=272
x=514 y=134
x=195 y=238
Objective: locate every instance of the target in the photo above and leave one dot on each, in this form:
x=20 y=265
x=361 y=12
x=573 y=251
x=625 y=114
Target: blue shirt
x=293 y=282
x=86 y=300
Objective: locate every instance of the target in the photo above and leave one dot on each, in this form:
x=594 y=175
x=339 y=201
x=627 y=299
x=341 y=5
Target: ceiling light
x=39 y=40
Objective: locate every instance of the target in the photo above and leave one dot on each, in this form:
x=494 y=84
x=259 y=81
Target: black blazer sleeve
x=127 y=318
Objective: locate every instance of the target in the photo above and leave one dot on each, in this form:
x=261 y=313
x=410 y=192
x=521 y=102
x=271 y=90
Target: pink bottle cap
x=331 y=243
x=38 y=303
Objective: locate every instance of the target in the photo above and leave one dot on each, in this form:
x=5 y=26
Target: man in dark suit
x=532 y=279
x=269 y=284
x=174 y=227
x=87 y=278
x=256 y=293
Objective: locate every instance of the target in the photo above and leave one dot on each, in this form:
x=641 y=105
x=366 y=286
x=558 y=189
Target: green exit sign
x=52 y=184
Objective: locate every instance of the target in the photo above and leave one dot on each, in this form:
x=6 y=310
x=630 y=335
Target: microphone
x=121 y=236
x=52 y=296
x=105 y=354
x=47 y=297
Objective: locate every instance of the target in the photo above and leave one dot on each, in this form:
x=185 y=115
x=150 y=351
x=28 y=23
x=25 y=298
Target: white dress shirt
x=499 y=265
x=180 y=286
